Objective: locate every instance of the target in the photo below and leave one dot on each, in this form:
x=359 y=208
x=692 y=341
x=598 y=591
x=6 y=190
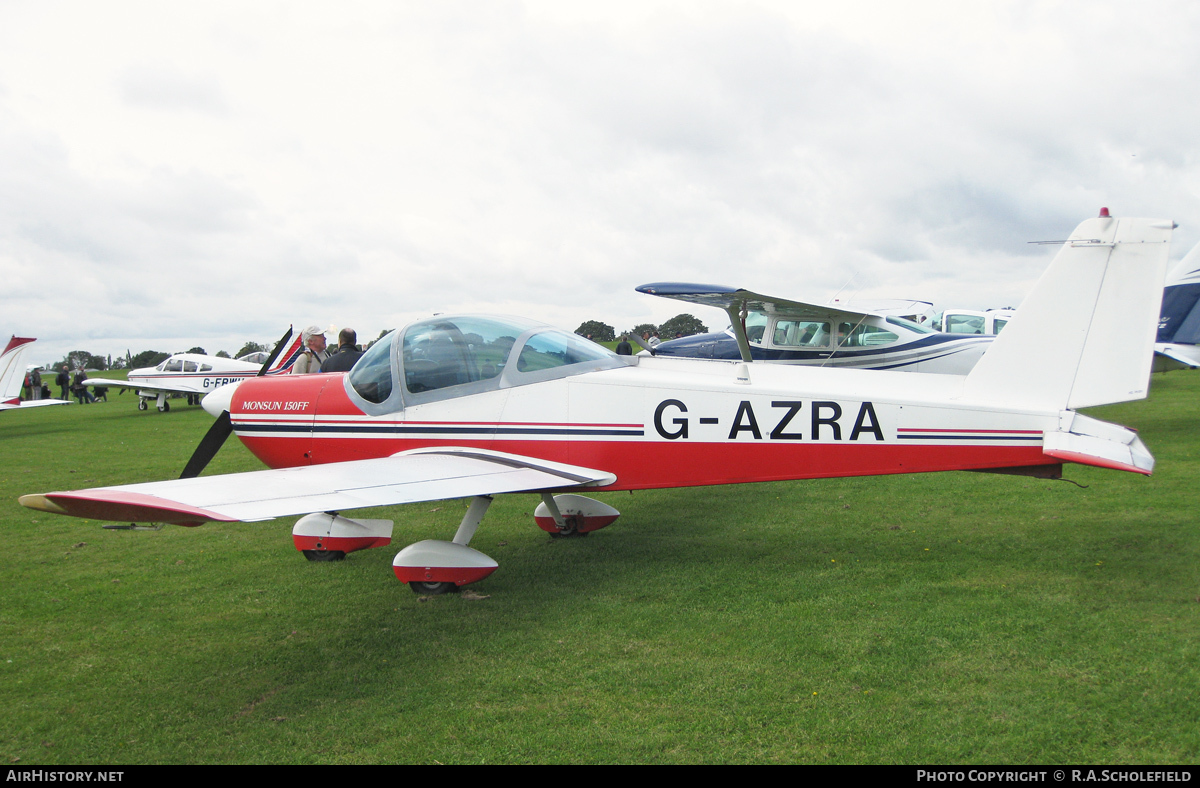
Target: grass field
x=944 y=618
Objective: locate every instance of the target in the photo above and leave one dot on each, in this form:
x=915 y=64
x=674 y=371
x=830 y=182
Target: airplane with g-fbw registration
x=12 y=376
x=473 y=406
x=782 y=331
x=195 y=375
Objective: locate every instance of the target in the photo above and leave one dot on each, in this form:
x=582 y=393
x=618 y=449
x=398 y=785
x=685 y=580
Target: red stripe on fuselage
x=640 y=464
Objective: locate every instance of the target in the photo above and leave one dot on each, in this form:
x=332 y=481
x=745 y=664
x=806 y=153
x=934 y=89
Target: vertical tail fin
x=1085 y=334
x=284 y=361
x=12 y=368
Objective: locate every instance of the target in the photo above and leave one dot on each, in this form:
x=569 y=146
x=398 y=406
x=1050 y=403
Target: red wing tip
x=121 y=506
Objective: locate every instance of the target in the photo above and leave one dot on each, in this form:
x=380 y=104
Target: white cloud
x=175 y=175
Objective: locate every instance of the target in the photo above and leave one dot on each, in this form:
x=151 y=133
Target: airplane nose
x=218 y=401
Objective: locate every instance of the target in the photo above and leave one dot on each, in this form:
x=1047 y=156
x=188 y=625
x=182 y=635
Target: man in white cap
x=314 y=351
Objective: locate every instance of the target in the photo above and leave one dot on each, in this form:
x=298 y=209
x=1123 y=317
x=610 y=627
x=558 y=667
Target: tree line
x=682 y=325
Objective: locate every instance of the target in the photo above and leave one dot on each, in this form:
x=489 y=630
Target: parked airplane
x=971 y=321
x=12 y=376
x=474 y=406
x=195 y=375
x=1178 y=342
x=794 y=332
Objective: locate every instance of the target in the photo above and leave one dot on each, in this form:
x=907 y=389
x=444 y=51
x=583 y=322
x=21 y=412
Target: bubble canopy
x=452 y=356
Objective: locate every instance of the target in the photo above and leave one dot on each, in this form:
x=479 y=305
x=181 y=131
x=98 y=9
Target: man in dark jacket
x=63 y=380
x=347 y=353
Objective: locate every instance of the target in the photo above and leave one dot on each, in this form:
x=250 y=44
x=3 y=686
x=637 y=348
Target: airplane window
x=371 y=376
x=174 y=365
x=1000 y=324
x=756 y=327
x=189 y=366
x=964 y=324
x=557 y=349
x=440 y=353
x=206 y=367
x=801 y=333
x=865 y=336
x=915 y=327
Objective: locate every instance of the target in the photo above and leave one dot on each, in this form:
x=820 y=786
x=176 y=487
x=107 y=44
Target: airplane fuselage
x=663 y=423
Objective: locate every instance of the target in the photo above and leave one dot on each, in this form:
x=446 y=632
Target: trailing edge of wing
x=408 y=477
x=121 y=384
x=728 y=298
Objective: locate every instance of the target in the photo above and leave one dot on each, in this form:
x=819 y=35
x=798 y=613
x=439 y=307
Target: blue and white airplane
x=766 y=328
x=1177 y=345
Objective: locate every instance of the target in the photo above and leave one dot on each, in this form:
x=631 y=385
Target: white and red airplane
x=473 y=406
x=195 y=375
x=12 y=376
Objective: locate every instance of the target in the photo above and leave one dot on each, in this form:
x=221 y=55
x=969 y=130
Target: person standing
x=35 y=378
x=347 y=353
x=314 y=351
x=81 y=391
x=63 y=381
x=623 y=347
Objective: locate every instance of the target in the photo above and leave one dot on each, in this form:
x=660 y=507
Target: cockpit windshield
x=371 y=376
x=916 y=328
x=447 y=357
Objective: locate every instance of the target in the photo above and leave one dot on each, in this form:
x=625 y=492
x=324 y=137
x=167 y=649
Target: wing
x=121 y=384
x=34 y=403
x=732 y=299
x=1179 y=354
x=408 y=477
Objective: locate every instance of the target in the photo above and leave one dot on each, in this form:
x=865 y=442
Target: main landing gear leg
x=434 y=567
x=163 y=405
x=572 y=515
x=327 y=536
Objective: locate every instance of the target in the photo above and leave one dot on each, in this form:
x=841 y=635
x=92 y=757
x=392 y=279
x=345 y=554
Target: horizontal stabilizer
x=408 y=477
x=1091 y=442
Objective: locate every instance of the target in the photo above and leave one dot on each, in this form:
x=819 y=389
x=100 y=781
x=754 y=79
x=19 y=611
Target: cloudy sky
x=204 y=174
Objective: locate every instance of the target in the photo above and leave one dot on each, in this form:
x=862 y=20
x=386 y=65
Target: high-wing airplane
x=794 y=332
x=973 y=321
x=473 y=406
x=12 y=376
x=1178 y=343
x=195 y=375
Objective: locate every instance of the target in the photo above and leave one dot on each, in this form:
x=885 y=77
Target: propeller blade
x=275 y=353
x=222 y=428
x=209 y=445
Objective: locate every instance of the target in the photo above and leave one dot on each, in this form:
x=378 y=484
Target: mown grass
x=918 y=619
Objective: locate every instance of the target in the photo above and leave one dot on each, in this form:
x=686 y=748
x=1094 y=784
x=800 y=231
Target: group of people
x=650 y=339
x=33 y=386
x=316 y=358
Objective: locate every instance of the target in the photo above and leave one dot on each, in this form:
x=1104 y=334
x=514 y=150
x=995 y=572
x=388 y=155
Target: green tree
x=81 y=359
x=683 y=325
x=199 y=350
x=599 y=332
x=148 y=358
x=251 y=347
x=643 y=328
x=222 y=354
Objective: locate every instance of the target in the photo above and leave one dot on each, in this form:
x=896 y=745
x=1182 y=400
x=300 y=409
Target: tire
x=432 y=589
x=572 y=531
x=324 y=555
